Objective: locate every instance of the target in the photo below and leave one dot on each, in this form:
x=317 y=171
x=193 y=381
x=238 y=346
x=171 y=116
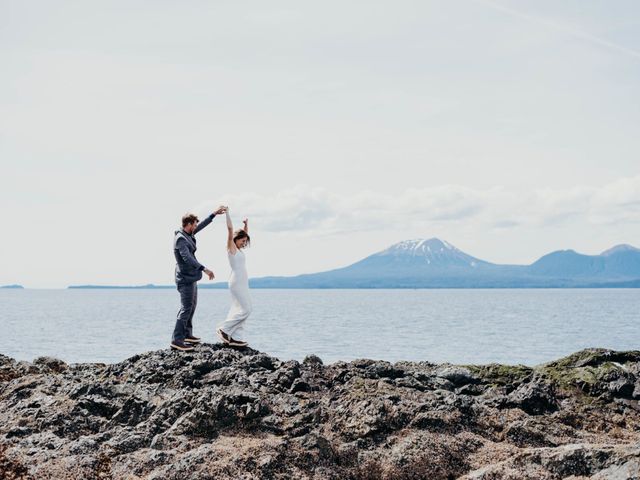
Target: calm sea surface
x=458 y=326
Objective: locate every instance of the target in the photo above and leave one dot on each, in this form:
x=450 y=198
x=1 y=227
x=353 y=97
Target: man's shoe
x=192 y=340
x=223 y=336
x=181 y=346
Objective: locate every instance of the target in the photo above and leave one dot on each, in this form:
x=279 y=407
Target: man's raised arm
x=208 y=220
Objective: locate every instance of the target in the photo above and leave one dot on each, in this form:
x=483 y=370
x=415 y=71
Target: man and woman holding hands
x=189 y=271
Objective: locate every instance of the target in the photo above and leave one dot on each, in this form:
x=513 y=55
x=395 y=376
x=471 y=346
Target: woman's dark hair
x=240 y=234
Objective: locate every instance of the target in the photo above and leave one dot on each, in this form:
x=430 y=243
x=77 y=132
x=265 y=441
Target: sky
x=508 y=128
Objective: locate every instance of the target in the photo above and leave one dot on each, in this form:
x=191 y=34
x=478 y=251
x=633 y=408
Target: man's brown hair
x=188 y=218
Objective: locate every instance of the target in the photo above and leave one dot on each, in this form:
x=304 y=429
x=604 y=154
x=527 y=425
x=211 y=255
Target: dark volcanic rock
x=535 y=397
x=225 y=413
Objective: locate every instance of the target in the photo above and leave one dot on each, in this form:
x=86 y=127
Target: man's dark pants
x=188 y=302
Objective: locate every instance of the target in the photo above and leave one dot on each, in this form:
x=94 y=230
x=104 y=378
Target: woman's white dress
x=240 y=300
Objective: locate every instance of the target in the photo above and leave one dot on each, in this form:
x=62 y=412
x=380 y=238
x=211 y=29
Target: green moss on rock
x=497 y=374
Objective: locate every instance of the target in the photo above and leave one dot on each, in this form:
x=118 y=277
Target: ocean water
x=458 y=326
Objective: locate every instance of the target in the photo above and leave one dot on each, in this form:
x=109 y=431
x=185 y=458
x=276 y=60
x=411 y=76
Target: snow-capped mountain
x=433 y=252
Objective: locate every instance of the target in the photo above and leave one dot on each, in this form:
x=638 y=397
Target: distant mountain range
x=19 y=287
x=435 y=263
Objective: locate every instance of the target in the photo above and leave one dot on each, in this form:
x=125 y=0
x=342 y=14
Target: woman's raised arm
x=231 y=247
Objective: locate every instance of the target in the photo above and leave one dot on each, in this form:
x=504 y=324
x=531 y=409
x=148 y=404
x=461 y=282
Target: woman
x=231 y=331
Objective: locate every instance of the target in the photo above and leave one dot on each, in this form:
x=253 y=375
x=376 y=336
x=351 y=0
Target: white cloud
x=317 y=210
x=617 y=202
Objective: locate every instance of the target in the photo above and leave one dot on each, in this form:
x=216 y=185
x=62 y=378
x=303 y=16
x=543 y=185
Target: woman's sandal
x=223 y=336
x=237 y=343
x=228 y=340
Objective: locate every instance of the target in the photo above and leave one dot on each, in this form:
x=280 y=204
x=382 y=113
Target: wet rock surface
x=220 y=413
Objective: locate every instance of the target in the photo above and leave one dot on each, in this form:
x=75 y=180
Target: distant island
x=149 y=286
x=119 y=287
x=435 y=263
x=18 y=287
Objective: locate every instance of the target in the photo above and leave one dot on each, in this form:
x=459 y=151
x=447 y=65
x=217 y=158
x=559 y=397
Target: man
x=188 y=272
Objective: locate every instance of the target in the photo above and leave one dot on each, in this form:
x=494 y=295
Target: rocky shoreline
x=220 y=413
